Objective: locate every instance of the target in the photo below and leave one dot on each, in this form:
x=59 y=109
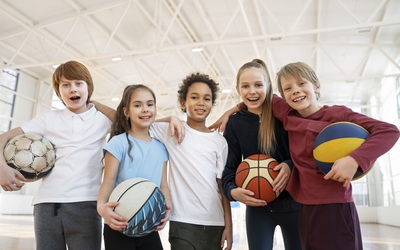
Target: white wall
x=382 y=215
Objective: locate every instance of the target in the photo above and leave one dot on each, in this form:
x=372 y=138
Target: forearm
x=107 y=111
x=226 y=205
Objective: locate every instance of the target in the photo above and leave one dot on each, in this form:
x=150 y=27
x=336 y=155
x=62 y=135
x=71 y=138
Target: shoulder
x=121 y=138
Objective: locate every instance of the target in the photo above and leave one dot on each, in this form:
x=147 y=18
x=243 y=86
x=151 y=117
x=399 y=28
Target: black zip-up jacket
x=241 y=134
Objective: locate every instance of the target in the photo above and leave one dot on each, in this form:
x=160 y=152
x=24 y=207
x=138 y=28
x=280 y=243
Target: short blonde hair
x=298 y=70
x=72 y=70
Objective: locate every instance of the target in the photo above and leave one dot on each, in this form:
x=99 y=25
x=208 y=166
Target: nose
x=295 y=90
x=73 y=88
x=252 y=89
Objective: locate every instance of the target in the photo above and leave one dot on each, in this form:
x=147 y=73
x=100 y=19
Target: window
x=8 y=85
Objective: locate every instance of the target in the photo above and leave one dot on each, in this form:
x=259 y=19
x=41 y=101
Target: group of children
x=314 y=211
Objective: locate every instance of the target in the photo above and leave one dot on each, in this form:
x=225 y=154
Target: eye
x=137 y=105
x=194 y=97
x=286 y=89
x=208 y=99
x=244 y=86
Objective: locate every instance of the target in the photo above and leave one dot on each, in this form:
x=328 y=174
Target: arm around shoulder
x=107 y=111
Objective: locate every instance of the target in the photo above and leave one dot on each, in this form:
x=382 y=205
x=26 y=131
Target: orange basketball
x=256 y=174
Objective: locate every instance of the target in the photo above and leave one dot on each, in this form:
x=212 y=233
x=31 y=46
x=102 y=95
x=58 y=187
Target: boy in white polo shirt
x=65 y=204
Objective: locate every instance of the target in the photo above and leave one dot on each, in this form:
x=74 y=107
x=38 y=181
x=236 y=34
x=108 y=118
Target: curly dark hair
x=197 y=77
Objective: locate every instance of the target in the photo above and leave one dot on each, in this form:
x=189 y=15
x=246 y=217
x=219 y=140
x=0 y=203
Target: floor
x=16 y=233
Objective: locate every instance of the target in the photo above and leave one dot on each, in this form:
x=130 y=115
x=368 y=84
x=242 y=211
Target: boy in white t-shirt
x=65 y=205
x=201 y=215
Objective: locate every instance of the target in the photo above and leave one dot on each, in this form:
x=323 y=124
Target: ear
x=317 y=89
x=183 y=106
x=125 y=112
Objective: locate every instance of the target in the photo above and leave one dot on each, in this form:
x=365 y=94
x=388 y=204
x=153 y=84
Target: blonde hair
x=72 y=70
x=266 y=131
x=298 y=70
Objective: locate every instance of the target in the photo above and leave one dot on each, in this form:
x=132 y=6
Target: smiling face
x=252 y=87
x=198 y=103
x=142 y=109
x=300 y=94
x=74 y=94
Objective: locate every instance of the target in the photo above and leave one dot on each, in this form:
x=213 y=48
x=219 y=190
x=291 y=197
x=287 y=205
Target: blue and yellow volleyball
x=336 y=141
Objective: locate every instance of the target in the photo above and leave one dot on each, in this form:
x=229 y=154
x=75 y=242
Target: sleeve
x=280 y=108
x=221 y=158
x=282 y=140
x=159 y=130
x=37 y=124
x=116 y=147
x=233 y=160
x=383 y=136
x=164 y=156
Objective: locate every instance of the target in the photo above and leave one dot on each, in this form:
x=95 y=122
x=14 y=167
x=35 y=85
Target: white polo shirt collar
x=84 y=116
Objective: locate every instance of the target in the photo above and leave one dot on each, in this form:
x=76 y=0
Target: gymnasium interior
x=353 y=46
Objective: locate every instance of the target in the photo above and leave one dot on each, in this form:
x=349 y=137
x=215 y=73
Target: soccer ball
x=31 y=154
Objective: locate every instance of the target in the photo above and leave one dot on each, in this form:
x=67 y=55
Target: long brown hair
x=122 y=124
x=266 y=131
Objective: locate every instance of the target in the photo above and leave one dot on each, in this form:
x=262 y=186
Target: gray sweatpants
x=77 y=225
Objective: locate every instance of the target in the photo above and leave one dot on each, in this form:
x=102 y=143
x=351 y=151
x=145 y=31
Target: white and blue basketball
x=142 y=202
x=336 y=141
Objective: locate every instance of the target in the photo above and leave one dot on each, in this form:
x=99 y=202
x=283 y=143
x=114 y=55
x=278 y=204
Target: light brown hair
x=266 y=131
x=298 y=70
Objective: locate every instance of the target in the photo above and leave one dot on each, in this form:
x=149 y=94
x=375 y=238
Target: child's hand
x=281 y=180
x=112 y=219
x=165 y=219
x=227 y=237
x=343 y=170
x=246 y=197
x=10 y=179
x=220 y=124
x=176 y=128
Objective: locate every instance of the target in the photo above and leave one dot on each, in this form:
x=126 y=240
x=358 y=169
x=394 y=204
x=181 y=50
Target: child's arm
x=220 y=124
x=165 y=189
x=227 y=234
x=10 y=179
x=175 y=125
x=105 y=208
x=383 y=136
x=107 y=111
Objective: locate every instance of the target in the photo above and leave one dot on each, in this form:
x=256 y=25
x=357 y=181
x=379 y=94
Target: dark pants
x=184 y=236
x=118 y=241
x=261 y=224
x=77 y=225
x=330 y=227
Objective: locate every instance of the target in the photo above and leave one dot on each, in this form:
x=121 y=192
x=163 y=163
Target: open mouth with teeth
x=299 y=99
x=253 y=99
x=145 y=117
x=200 y=111
x=75 y=98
